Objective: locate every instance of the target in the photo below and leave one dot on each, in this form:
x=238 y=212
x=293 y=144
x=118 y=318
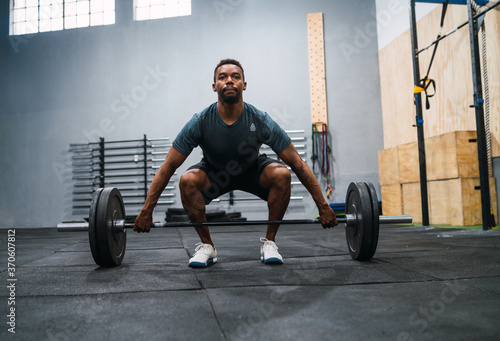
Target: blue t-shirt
x=229 y=146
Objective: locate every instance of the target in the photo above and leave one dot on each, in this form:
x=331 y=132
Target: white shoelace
x=202 y=248
x=269 y=243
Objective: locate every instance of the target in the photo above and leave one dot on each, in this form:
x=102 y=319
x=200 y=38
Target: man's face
x=229 y=83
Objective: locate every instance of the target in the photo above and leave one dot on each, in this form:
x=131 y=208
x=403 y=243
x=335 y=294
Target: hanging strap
x=423 y=86
x=325 y=166
x=315 y=152
x=443 y=15
x=320 y=150
x=425 y=82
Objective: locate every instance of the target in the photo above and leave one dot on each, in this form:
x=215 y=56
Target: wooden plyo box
x=392 y=199
x=408 y=163
x=388 y=166
x=452 y=155
x=458 y=201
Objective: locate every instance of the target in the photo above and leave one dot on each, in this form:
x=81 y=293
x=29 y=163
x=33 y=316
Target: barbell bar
x=120 y=224
x=107 y=227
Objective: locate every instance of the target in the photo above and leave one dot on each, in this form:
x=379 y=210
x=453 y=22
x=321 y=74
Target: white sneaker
x=204 y=255
x=269 y=252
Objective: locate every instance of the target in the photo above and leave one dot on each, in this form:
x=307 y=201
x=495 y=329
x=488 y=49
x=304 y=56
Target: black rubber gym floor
x=422 y=284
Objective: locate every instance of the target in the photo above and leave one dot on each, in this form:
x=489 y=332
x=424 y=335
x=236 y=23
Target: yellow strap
x=418 y=90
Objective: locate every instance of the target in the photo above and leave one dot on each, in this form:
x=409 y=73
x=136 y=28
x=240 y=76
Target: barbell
x=107 y=227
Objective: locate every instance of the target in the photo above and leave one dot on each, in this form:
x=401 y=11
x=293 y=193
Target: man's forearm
x=156 y=188
x=173 y=160
x=305 y=174
x=307 y=178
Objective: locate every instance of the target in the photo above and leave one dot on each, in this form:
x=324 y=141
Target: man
x=230 y=133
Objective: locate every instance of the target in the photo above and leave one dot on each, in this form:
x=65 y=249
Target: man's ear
x=244 y=85
x=214 y=88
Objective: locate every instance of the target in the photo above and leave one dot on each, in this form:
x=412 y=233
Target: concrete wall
x=76 y=85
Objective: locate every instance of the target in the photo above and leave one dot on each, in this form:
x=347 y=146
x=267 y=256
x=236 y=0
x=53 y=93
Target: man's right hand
x=143 y=222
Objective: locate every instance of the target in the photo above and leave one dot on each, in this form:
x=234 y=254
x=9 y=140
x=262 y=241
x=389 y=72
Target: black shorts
x=221 y=182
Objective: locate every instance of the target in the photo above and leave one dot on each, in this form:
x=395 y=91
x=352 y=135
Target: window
x=156 y=9
x=32 y=16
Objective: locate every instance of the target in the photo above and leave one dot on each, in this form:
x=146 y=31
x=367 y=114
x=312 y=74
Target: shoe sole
x=272 y=261
x=203 y=265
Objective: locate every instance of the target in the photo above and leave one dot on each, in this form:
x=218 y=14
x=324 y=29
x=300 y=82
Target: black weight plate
x=375 y=220
x=238 y=219
x=111 y=243
x=216 y=216
x=92 y=227
x=178 y=218
x=233 y=215
x=359 y=236
x=176 y=214
x=176 y=211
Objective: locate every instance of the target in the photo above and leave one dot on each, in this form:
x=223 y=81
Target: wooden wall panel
x=452 y=71
x=388 y=166
x=493 y=47
x=462 y=90
x=396 y=85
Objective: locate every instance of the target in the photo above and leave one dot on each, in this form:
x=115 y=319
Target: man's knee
x=283 y=174
x=193 y=179
x=279 y=176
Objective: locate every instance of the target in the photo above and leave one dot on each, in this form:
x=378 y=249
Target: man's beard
x=230 y=99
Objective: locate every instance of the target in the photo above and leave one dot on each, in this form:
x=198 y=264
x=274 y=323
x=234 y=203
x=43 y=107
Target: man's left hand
x=327 y=217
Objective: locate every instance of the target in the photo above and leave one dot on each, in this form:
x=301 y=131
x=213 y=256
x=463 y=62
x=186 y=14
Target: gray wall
x=393 y=18
x=71 y=86
x=496 y=175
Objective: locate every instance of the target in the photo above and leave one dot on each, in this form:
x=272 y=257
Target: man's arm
x=173 y=160
x=307 y=178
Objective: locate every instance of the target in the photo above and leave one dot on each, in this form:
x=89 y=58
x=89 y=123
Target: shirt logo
x=252 y=127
